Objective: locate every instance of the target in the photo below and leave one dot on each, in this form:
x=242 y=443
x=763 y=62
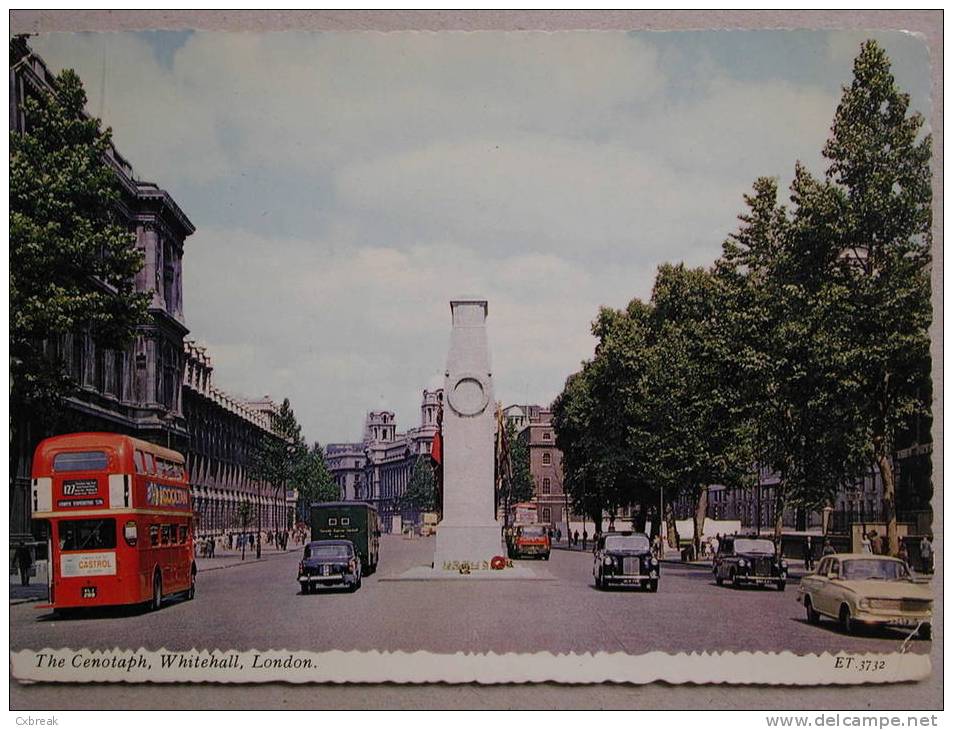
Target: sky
x=346 y=186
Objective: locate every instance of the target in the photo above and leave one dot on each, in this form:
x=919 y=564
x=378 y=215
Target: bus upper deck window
x=150 y=464
x=140 y=462
x=81 y=461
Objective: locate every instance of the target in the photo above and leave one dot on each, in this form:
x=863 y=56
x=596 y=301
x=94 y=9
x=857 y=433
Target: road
x=258 y=605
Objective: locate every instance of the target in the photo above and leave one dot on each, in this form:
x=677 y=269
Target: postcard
x=492 y=357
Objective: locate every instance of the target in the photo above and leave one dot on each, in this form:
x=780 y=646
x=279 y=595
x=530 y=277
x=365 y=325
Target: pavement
x=223 y=559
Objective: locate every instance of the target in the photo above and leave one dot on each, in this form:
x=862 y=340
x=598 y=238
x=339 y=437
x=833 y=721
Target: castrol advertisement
x=78 y=564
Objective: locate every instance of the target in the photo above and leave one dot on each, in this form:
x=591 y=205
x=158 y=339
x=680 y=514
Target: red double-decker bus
x=120 y=520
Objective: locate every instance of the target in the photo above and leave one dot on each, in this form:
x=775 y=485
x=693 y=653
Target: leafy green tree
x=75 y=260
x=695 y=435
x=281 y=459
x=314 y=481
x=880 y=166
x=519 y=485
x=420 y=495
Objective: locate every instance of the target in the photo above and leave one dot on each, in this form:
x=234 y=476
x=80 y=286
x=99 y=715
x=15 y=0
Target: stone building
x=139 y=390
x=136 y=390
x=224 y=432
x=378 y=468
x=534 y=426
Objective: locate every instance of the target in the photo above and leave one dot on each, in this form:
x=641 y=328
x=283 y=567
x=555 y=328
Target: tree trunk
x=639 y=520
x=778 y=515
x=890 y=502
x=701 y=508
x=670 y=528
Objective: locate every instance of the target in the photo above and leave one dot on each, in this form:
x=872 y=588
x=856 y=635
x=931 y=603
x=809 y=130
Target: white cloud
x=550 y=173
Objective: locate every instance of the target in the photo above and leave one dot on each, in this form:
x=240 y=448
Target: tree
x=694 y=433
x=519 y=484
x=781 y=310
x=281 y=458
x=420 y=495
x=315 y=482
x=880 y=164
x=75 y=260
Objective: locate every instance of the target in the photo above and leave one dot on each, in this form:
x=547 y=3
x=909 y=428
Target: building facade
x=224 y=433
x=378 y=468
x=136 y=390
x=158 y=388
x=534 y=425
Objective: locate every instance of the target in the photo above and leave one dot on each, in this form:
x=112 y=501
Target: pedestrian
x=808 y=554
x=585 y=536
x=828 y=548
x=876 y=543
x=211 y=547
x=575 y=538
x=559 y=535
x=926 y=555
x=865 y=545
x=904 y=554
x=24 y=560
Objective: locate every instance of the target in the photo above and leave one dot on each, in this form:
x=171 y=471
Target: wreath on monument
x=498 y=563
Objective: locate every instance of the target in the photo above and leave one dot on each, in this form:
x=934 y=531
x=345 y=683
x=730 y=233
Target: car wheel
x=156 y=603
x=846 y=622
x=653 y=586
x=719 y=581
x=600 y=584
x=305 y=588
x=781 y=585
x=546 y=556
x=813 y=617
x=190 y=593
x=734 y=579
x=925 y=632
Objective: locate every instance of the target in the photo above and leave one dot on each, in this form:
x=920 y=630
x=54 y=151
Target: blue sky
x=345 y=186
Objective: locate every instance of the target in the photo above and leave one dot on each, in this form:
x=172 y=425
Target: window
x=87 y=534
x=332 y=522
x=153 y=535
x=81 y=461
x=546 y=485
x=183 y=534
x=140 y=462
x=547 y=458
x=547 y=436
x=166 y=533
x=345 y=521
x=835 y=569
x=547 y=515
x=150 y=464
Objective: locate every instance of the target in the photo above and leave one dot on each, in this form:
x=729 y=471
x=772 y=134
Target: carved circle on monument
x=468 y=396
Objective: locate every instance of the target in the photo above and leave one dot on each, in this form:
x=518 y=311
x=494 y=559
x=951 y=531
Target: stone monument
x=469 y=530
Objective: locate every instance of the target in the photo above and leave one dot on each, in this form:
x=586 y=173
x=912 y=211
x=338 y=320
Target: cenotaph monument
x=469 y=530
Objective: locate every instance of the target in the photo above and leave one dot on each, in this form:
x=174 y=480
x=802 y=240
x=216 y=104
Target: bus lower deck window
x=87 y=534
x=153 y=535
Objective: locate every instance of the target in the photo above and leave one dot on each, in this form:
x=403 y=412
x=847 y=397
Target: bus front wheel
x=190 y=594
x=156 y=603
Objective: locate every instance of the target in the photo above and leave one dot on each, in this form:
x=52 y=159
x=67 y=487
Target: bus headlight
x=130 y=532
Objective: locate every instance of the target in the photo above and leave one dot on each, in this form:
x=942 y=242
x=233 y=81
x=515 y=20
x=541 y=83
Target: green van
x=354 y=521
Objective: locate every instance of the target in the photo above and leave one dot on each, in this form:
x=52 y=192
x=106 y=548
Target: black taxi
x=749 y=561
x=625 y=558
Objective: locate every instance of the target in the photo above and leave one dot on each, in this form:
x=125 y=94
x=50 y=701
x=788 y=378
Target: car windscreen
x=532 y=532
x=763 y=547
x=639 y=543
x=329 y=552
x=87 y=534
x=874 y=570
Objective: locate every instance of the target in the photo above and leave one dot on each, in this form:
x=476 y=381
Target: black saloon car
x=625 y=558
x=749 y=561
x=328 y=563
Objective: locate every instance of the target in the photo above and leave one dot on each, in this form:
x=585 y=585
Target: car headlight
x=607 y=560
x=784 y=563
x=742 y=563
x=654 y=561
x=863 y=603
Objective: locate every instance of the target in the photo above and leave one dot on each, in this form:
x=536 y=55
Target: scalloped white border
x=339 y=667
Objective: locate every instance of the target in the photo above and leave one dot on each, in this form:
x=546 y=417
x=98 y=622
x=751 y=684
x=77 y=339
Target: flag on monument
x=436 y=448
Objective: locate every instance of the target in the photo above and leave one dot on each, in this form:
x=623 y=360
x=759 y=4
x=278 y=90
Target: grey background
x=922 y=695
